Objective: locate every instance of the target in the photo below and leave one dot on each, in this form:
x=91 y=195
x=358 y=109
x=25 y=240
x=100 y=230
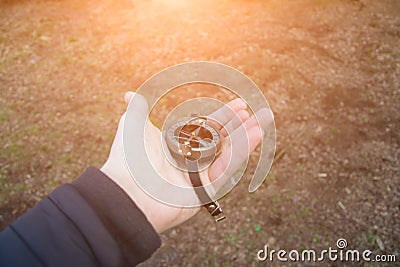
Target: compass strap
x=212 y=206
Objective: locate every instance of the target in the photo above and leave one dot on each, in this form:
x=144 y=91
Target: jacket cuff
x=122 y=217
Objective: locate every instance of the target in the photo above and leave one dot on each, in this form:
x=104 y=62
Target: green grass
x=33 y=130
x=314 y=239
x=17 y=187
x=53 y=183
x=305 y=212
x=9 y=188
x=277 y=199
x=65 y=159
x=271 y=176
x=3 y=178
x=3 y=115
x=371 y=238
x=231 y=239
x=13 y=151
x=332 y=130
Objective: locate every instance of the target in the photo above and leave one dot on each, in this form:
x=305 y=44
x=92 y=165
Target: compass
x=194 y=143
x=194 y=138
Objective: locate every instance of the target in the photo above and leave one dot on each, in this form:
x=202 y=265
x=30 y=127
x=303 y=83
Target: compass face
x=198 y=136
x=194 y=139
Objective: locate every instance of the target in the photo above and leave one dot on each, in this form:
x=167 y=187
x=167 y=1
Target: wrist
x=117 y=211
x=127 y=184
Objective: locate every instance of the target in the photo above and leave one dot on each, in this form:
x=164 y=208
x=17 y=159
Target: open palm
x=245 y=135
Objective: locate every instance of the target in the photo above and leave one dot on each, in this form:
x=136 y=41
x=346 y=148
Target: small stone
x=340 y=204
x=388 y=158
x=271 y=241
x=380 y=243
x=45 y=38
x=347 y=190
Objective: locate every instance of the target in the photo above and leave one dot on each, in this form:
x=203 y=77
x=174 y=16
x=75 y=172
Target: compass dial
x=194 y=138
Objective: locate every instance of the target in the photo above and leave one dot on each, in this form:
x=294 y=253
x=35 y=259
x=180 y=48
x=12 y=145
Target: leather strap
x=212 y=206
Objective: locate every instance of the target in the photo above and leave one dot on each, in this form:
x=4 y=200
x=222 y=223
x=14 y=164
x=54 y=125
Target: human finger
x=224 y=114
x=261 y=118
x=242 y=142
x=237 y=120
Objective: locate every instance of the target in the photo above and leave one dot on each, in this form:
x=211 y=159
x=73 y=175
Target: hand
x=163 y=216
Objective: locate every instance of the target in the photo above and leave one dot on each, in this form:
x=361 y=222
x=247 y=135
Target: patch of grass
x=54 y=135
x=332 y=130
x=231 y=239
x=306 y=211
x=72 y=39
x=13 y=151
x=277 y=199
x=3 y=39
x=314 y=239
x=3 y=197
x=211 y=260
x=33 y=130
x=270 y=176
x=65 y=159
x=371 y=238
x=66 y=60
x=300 y=166
x=9 y=188
x=325 y=141
x=293 y=236
x=17 y=187
x=3 y=115
x=371 y=54
x=3 y=177
x=43 y=148
x=373 y=24
x=53 y=183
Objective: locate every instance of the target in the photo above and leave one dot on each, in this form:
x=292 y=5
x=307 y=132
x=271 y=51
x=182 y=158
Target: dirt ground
x=330 y=70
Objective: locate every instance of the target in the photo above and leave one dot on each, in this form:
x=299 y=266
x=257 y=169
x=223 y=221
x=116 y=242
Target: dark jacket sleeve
x=91 y=222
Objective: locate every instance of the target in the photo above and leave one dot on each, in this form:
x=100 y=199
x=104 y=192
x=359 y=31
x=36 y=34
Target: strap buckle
x=216 y=211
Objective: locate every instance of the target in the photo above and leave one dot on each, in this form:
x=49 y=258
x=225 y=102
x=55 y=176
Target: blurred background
x=330 y=70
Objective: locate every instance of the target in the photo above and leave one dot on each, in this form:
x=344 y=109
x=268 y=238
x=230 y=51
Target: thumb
x=128 y=96
x=133 y=124
x=137 y=105
x=136 y=113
